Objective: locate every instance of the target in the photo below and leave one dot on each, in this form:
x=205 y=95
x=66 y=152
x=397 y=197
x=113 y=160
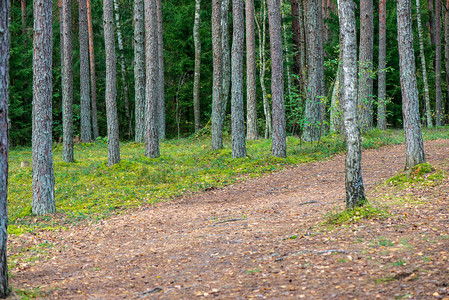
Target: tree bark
x=431 y=21
x=251 y=100
x=237 y=115
x=139 y=70
x=287 y=67
x=302 y=45
x=279 y=144
x=382 y=78
x=365 y=98
x=313 y=102
x=151 y=92
x=121 y=50
x=355 y=192
x=438 y=94
x=111 y=81
x=446 y=52
x=161 y=80
x=295 y=39
x=262 y=65
x=217 y=85
x=67 y=82
x=43 y=176
x=86 y=129
x=410 y=106
x=23 y=6
x=323 y=92
x=423 y=66
x=226 y=56
x=197 y=72
x=93 y=82
x=4 y=145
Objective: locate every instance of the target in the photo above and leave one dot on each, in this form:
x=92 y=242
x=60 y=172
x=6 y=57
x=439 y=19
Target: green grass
x=350 y=216
x=422 y=174
x=90 y=190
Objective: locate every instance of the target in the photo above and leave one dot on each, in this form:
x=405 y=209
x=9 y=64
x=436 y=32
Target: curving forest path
x=260 y=238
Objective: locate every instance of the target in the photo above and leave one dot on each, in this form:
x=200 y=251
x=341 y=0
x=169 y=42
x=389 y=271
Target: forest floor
x=260 y=238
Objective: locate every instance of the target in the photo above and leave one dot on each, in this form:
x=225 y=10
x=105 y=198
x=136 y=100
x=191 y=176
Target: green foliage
x=348 y=216
x=422 y=174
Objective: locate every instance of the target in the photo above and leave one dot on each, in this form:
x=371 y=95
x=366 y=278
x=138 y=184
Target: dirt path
x=234 y=243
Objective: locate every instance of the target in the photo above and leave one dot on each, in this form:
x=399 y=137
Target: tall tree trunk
x=151 y=92
x=251 y=100
x=323 y=92
x=43 y=176
x=313 y=103
x=302 y=45
x=23 y=6
x=431 y=21
x=423 y=66
x=93 y=83
x=381 y=86
x=355 y=191
x=161 y=80
x=438 y=95
x=121 y=58
x=262 y=65
x=4 y=91
x=67 y=82
x=139 y=70
x=287 y=67
x=217 y=85
x=237 y=115
x=446 y=52
x=196 y=79
x=365 y=98
x=111 y=81
x=279 y=144
x=226 y=56
x=410 y=106
x=295 y=38
x=86 y=129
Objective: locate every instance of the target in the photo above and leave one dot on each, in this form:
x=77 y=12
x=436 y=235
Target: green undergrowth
x=421 y=175
x=88 y=189
x=355 y=215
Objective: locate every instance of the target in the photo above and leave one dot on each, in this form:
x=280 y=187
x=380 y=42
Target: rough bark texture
x=365 y=98
x=262 y=64
x=381 y=86
x=197 y=72
x=410 y=106
x=226 y=56
x=139 y=70
x=313 y=103
x=251 y=100
x=446 y=53
x=161 y=80
x=67 y=83
x=43 y=177
x=355 y=192
x=323 y=92
x=431 y=20
x=302 y=45
x=217 y=84
x=111 y=81
x=121 y=50
x=423 y=66
x=295 y=39
x=438 y=94
x=287 y=66
x=93 y=82
x=237 y=114
x=279 y=145
x=86 y=129
x=151 y=92
x=4 y=90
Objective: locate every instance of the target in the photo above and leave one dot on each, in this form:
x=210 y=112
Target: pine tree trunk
x=302 y=45
x=4 y=91
x=86 y=129
x=365 y=98
x=123 y=68
x=355 y=192
x=93 y=82
x=111 y=82
x=337 y=100
x=279 y=145
x=382 y=78
x=67 y=82
x=196 y=79
x=139 y=70
x=151 y=92
x=446 y=51
x=237 y=115
x=287 y=67
x=410 y=104
x=313 y=103
x=161 y=80
x=226 y=58
x=423 y=66
x=43 y=177
x=262 y=66
x=323 y=92
x=438 y=94
x=23 y=6
x=431 y=21
x=217 y=85
x=251 y=100
x=295 y=39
